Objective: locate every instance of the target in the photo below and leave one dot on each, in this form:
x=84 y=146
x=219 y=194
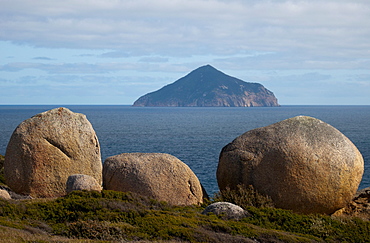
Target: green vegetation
x=115 y=216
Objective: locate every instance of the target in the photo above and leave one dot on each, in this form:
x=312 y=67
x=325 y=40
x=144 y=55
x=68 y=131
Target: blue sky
x=113 y=51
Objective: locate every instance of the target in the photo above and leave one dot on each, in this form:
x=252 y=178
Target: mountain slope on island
x=207 y=86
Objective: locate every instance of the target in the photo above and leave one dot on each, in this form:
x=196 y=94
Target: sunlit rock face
x=160 y=176
x=46 y=149
x=302 y=163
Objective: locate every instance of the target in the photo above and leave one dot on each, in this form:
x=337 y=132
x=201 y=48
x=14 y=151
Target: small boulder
x=81 y=182
x=226 y=210
x=302 y=163
x=159 y=176
x=45 y=149
x=4 y=194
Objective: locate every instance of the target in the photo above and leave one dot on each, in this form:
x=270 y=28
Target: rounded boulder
x=45 y=149
x=160 y=176
x=4 y=194
x=302 y=163
x=81 y=182
x=226 y=210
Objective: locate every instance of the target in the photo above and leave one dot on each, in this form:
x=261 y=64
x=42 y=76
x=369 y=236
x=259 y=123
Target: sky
x=111 y=52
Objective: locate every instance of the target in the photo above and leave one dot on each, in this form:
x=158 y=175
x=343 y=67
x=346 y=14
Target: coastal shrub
x=320 y=226
x=9 y=209
x=85 y=205
x=97 y=230
x=133 y=200
x=117 y=216
x=244 y=196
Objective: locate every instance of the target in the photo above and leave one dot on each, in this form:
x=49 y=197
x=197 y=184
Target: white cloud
x=177 y=27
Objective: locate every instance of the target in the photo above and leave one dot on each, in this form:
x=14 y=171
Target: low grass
x=117 y=217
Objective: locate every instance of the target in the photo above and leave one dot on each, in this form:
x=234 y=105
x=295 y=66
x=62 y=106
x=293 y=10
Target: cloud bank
x=173 y=37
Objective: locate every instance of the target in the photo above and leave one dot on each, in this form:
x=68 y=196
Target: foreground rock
x=4 y=194
x=160 y=176
x=12 y=194
x=226 y=210
x=359 y=207
x=47 y=148
x=302 y=163
x=81 y=182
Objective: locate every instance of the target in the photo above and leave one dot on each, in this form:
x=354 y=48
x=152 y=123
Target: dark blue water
x=194 y=135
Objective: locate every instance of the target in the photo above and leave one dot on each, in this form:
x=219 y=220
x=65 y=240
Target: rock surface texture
x=226 y=210
x=359 y=207
x=46 y=149
x=160 y=176
x=302 y=163
x=207 y=86
x=81 y=182
x=4 y=194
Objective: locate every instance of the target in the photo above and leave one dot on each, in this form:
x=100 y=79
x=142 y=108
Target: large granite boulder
x=2 y=159
x=159 y=176
x=47 y=148
x=302 y=163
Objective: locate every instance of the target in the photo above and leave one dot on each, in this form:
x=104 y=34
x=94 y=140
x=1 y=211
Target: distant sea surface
x=195 y=135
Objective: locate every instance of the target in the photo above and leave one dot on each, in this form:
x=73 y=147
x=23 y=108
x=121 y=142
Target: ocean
x=195 y=135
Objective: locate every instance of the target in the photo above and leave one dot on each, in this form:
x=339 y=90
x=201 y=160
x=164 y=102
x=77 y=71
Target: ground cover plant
x=116 y=216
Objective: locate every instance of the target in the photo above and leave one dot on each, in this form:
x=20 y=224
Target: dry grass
x=12 y=235
x=8 y=234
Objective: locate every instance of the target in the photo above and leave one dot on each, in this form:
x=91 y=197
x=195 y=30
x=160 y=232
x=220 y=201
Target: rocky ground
x=359 y=207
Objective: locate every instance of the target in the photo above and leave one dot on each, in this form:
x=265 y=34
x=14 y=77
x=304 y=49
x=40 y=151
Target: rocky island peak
x=207 y=86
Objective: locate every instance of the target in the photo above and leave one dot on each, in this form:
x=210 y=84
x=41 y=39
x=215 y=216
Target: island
x=206 y=87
